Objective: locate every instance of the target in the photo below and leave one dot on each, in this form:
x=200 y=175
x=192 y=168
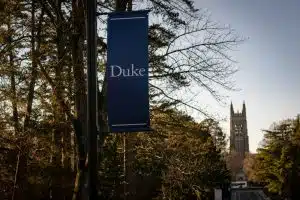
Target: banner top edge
x=128 y=12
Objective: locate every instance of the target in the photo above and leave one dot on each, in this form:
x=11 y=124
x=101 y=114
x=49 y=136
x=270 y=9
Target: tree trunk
x=35 y=47
x=21 y=170
x=79 y=124
x=21 y=176
x=59 y=132
x=13 y=90
x=71 y=133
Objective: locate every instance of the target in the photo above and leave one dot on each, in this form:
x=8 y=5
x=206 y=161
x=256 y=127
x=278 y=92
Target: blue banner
x=127 y=72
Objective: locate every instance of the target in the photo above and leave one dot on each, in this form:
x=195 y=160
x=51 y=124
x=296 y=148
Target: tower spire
x=244 y=109
x=231 y=109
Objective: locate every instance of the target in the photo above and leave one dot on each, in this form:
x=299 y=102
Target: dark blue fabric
x=127 y=72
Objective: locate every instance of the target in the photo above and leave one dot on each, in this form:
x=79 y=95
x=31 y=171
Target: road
x=248 y=194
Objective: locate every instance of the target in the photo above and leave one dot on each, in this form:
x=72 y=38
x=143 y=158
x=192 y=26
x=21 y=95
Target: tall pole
x=92 y=99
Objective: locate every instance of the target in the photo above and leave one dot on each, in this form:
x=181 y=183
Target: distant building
x=239 y=141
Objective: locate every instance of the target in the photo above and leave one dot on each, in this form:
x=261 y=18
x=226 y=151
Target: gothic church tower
x=238 y=131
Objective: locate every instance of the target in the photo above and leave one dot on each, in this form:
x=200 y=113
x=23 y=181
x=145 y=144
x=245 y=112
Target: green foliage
x=277 y=162
x=181 y=157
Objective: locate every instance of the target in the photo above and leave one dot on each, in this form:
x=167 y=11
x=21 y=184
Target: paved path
x=248 y=194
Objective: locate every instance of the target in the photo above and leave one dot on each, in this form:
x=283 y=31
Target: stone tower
x=238 y=131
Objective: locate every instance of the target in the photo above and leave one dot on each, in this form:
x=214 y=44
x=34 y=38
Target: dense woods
x=43 y=103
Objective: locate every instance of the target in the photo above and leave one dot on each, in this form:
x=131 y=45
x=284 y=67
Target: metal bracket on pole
x=107 y=13
x=104 y=13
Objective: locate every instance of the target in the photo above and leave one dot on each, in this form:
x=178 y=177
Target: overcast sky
x=269 y=76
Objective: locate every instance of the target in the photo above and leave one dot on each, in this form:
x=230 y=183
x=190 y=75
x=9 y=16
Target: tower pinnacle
x=244 y=109
x=231 y=109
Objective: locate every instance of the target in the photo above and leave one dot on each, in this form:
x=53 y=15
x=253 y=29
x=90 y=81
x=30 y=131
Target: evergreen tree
x=277 y=162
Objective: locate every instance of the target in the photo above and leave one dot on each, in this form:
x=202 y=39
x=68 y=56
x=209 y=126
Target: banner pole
x=92 y=99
